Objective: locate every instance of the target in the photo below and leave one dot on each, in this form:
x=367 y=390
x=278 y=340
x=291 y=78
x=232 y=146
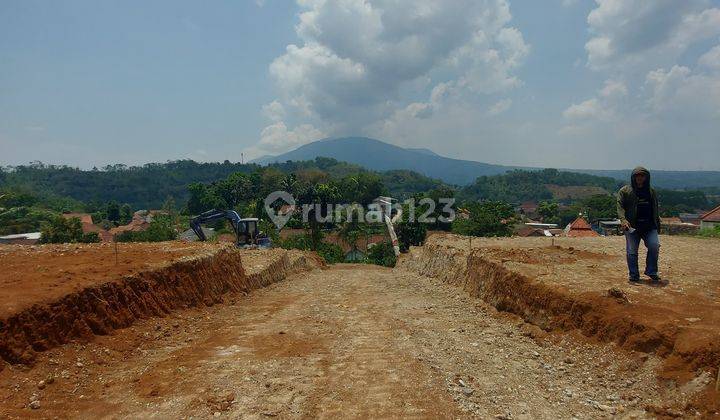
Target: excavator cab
x=247 y=231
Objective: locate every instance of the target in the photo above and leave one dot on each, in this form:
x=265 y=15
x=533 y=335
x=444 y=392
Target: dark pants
x=652 y=242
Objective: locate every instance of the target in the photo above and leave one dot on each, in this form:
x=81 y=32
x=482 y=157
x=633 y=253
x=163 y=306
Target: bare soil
x=37 y=274
x=534 y=334
x=348 y=341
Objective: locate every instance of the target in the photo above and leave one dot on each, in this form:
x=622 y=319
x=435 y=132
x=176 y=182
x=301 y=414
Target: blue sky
x=562 y=83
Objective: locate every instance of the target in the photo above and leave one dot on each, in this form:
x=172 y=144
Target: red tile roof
x=580 y=223
x=89 y=226
x=712 y=216
x=580 y=228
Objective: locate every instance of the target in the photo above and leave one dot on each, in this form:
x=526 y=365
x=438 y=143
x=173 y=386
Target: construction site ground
x=361 y=341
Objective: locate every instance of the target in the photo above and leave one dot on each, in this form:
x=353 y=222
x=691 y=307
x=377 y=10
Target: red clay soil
x=36 y=274
x=55 y=294
x=580 y=284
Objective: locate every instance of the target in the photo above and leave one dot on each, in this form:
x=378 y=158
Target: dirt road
x=347 y=341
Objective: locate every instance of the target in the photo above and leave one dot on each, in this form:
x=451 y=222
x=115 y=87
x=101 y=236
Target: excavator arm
x=212 y=215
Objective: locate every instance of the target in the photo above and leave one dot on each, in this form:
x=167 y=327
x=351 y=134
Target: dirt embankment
x=97 y=309
x=494 y=275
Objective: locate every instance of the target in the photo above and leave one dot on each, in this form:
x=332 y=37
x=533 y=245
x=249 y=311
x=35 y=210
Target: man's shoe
x=634 y=280
x=655 y=278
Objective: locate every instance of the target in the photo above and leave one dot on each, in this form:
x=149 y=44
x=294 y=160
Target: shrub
x=710 y=232
x=382 y=253
x=489 y=218
x=331 y=253
x=62 y=230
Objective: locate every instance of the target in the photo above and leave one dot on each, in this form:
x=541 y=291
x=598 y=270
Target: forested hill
x=518 y=185
x=149 y=186
x=144 y=186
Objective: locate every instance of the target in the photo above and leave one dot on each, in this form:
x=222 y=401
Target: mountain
x=380 y=156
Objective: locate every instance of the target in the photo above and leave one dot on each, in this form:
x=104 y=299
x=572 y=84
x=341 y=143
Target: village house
x=140 y=222
x=30 y=238
x=579 y=228
x=710 y=219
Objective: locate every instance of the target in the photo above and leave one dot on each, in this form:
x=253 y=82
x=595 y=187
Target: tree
x=113 y=211
x=550 y=211
x=489 y=218
x=126 y=214
x=410 y=233
x=62 y=230
x=319 y=196
x=382 y=253
x=203 y=198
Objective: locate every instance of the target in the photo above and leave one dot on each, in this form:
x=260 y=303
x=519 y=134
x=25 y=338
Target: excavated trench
x=598 y=316
x=202 y=280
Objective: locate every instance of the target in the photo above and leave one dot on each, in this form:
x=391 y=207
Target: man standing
x=637 y=209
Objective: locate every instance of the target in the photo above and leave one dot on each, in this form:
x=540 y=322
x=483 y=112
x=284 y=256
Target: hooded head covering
x=640 y=170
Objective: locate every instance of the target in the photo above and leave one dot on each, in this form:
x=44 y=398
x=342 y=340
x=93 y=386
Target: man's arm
x=620 y=208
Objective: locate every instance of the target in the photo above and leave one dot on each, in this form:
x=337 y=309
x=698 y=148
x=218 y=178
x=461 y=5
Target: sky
x=603 y=84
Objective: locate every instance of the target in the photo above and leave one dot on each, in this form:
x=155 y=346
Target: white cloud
x=711 y=59
x=602 y=107
x=277 y=138
x=500 y=106
x=274 y=111
x=679 y=92
x=360 y=62
x=642 y=33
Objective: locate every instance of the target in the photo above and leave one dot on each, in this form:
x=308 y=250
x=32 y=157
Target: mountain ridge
x=381 y=156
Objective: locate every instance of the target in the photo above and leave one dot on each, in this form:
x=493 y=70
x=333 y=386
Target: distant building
x=536 y=229
x=30 y=238
x=710 y=219
x=529 y=208
x=609 y=227
x=675 y=226
x=693 y=218
x=579 y=228
x=140 y=222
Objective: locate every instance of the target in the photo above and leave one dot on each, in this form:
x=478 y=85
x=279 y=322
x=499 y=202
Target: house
x=30 y=238
x=710 y=219
x=528 y=208
x=675 y=226
x=693 y=218
x=535 y=229
x=88 y=226
x=140 y=221
x=579 y=228
x=609 y=227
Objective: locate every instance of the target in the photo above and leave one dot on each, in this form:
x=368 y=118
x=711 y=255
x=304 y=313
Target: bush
x=410 y=234
x=489 y=218
x=24 y=219
x=62 y=230
x=710 y=232
x=382 y=253
x=89 y=238
x=331 y=253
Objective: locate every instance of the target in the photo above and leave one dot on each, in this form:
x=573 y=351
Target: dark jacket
x=627 y=200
